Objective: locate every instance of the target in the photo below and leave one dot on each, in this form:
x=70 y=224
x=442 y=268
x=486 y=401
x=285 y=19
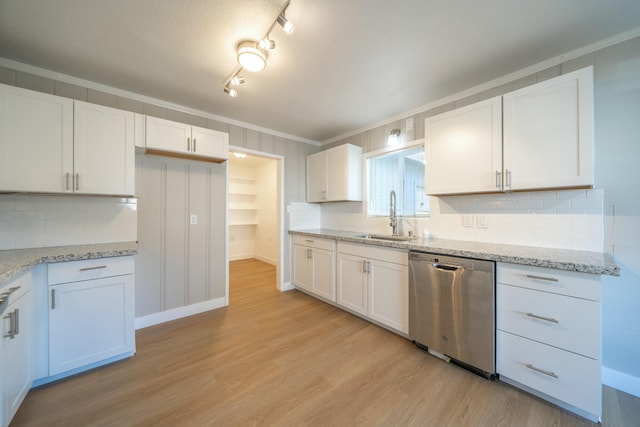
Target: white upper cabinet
x=537 y=137
x=180 y=138
x=36 y=140
x=52 y=144
x=463 y=149
x=103 y=150
x=548 y=133
x=335 y=174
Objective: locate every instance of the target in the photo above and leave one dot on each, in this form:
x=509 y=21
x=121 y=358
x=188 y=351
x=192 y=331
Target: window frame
x=365 y=174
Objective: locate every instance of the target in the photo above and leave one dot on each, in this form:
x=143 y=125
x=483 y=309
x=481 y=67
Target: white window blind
x=403 y=172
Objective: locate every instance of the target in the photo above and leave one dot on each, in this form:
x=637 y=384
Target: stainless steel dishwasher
x=452 y=309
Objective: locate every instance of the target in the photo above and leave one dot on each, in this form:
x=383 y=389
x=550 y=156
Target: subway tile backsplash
x=567 y=219
x=29 y=221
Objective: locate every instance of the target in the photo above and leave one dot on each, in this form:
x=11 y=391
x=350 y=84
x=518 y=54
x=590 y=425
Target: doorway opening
x=255 y=209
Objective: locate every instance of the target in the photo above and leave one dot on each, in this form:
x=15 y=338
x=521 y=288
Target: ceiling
x=348 y=64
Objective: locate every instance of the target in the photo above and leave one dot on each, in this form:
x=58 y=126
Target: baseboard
x=268 y=260
x=240 y=257
x=287 y=286
x=177 y=313
x=621 y=381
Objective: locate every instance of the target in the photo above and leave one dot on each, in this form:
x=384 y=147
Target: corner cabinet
x=91 y=313
x=374 y=282
x=335 y=174
x=16 y=351
x=548 y=133
x=538 y=137
x=183 y=139
x=313 y=266
x=548 y=339
x=52 y=144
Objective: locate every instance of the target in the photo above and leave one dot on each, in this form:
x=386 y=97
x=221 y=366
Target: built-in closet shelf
x=240 y=224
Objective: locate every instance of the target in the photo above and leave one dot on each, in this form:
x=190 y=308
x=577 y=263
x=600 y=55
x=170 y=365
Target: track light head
x=236 y=80
x=231 y=92
x=267 y=44
x=285 y=24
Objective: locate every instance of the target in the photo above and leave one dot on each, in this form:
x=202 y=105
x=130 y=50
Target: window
x=403 y=172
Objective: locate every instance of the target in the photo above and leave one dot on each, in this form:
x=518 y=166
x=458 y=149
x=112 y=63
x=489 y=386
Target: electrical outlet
x=467 y=220
x=482 y=221
x=408 y=125
x=193 y=219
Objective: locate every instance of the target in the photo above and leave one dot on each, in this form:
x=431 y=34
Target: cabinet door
x=548 y=133
x=316 y=190
x=103 y=150
x=463 y=149
x=90 y=321
x=323 y=280
x=352 y=282
x=337 y=173
x=210 y=143
x=167 y=135
x=301 y=267
x=389 y=294
x=36 y=140
x=16 y=356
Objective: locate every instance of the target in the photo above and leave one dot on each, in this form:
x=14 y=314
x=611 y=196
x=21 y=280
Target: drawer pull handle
x=53 y=299
x=12 y=319
x=309 y=240
x=93 y=268
x=548 y=279
x=542 y=371
x=548 y=319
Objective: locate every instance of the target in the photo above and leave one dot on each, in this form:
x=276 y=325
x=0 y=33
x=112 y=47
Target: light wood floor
x=288 y=359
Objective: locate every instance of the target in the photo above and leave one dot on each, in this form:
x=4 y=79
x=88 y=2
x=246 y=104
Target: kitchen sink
x=385 y=237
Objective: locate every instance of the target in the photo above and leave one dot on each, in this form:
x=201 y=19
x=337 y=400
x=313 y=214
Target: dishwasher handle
x=446 y=267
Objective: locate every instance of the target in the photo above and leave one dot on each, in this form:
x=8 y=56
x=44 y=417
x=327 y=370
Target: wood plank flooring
x=287 y=359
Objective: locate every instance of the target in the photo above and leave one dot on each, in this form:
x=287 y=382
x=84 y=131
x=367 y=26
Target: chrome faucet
x=396 y=226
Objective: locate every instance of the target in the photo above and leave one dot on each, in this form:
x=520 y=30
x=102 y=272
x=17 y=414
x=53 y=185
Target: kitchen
x=54 y=219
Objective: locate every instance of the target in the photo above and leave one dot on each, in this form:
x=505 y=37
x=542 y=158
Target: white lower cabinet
x=548 y=340
x=91 y=312
x=313 y=266
x=374 y=282
x=16 y=352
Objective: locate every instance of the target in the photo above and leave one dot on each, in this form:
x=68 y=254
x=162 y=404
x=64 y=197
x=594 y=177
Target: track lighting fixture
x=252 y=55
x=394 y=138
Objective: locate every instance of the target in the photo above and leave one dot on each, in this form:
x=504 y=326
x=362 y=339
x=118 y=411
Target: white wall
x=617 y=196
x=266 y=237
x=33 y=221
x=617 y=113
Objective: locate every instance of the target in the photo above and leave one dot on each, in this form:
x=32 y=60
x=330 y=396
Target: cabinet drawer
x=571 y=323
x=75 y=271
x=576 y=381
x=581 y=285
x=314 y=242
x=396 y=256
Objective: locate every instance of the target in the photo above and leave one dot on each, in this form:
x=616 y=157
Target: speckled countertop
x=14 y=262
x=561 y=259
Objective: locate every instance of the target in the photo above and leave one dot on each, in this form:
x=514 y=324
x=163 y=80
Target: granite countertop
x=561 y=259
x=13 y=262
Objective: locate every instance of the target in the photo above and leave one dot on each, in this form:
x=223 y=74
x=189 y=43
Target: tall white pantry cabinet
x=51 y=144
